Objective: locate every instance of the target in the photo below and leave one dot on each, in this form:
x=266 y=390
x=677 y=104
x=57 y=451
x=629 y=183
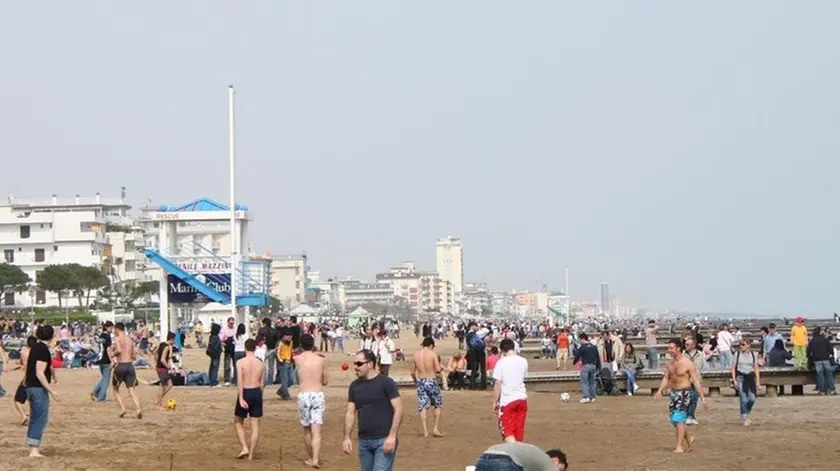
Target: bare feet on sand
x=242 y=454
x=311 y=464
x=24 y=421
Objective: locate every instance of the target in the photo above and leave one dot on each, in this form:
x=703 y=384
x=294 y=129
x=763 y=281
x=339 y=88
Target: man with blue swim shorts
x=424 y=371
x=680 y=376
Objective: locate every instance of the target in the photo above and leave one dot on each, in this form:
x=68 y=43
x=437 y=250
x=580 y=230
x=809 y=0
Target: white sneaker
x=635 y=387
x=227 y=385
x=629 y=393
x=691 y=422
x=584 y=400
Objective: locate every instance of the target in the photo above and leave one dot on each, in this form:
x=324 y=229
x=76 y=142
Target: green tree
x=56 y=279
x=12 y=279
x=87 y=279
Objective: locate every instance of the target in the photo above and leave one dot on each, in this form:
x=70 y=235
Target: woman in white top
x=238 y=347
x=384 y=350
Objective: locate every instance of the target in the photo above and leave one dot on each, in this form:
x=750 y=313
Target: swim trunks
x=164 y=376
x=311 y=407
x=254 y=398
x=678 y=406
x=144 y=345
x=428 y=394
x=124 y=373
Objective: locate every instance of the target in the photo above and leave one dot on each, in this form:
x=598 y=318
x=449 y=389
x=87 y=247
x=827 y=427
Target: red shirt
x=491 y=361
x=562 y=340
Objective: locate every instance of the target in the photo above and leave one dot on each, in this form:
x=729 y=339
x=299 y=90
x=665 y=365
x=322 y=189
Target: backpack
x=475 y=342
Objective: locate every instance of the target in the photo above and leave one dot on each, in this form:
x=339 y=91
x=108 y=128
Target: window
x=10 y=255
x=25 y=232
x=9 y=299
x=55 y=248
x=39 y=255
x=297 y=284
x=40 y=297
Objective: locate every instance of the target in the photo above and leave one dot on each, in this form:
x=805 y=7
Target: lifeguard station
x=191 y=250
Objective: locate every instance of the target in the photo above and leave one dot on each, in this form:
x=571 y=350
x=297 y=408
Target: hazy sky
x=687 y=154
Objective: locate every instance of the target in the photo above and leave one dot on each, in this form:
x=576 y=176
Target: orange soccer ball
x=345 y=366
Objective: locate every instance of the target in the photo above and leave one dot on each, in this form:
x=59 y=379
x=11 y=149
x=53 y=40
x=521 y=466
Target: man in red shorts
x=510 y=400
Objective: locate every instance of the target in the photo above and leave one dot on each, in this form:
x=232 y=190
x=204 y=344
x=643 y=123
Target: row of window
x=40 y=254
x=40 y=298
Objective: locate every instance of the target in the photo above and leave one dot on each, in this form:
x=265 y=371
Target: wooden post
x=770 y=390
x=714 y=391
x=797 y=390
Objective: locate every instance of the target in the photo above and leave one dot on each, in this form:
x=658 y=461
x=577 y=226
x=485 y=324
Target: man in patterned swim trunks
x=679 y=376
x=424 y=371
x=311 y=403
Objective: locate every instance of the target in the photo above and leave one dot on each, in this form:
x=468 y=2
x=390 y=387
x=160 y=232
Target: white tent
x=302 y=311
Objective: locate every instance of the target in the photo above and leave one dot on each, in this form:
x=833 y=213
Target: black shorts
x=254 y=399
x=124 y=374
x=144 y=345
x=20 y=394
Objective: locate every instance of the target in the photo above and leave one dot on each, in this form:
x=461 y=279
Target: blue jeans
x=746 y=399
x=270 y=361
x=825 y=376
x=101 y=388
x=653 y=358
x=286 y=373
x=213 y=373
x=39 y=415
x=692 y=405
x=493 y=462
x=588 y=386
x=631 y=379
x=195 y=378
x=373 y=458
x=726 y=358
x=339 y=344
x=236 y=357
x=228 y=361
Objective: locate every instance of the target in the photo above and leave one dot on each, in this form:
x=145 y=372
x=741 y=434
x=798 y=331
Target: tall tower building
x=450 y=262
x=605 y=297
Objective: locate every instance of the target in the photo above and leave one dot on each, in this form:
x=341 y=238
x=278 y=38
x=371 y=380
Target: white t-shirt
x=724 y=339
x=260 y=352
x=511 y=371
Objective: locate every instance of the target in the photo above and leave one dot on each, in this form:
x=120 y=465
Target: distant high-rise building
x=605 y=297
x=450 y=262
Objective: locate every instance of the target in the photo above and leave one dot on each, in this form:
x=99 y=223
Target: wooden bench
x=713 y=381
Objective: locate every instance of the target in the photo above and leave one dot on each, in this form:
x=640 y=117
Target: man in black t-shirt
x=104 y=361
x=376 y=400
x=268 y=334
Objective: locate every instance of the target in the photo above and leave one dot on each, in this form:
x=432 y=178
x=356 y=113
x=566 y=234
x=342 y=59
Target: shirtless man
x=311 y=403
x=123 y=367
x=249 y=400
x=163 y=368
x=680 y=375
x=424 y=371
x=144 y=338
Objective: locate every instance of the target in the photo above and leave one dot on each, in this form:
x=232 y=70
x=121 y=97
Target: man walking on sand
x=376 y=398
x=680 y=376
x=424 y=370
x=163 y=367
x=510 y=400
x=312 y=373
x=311 y=403
x=250 y=374
x=123 y=363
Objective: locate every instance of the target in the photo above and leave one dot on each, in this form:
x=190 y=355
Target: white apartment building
x=404 y=281
x=35 y=234
x=477 y=296
x=354 y=293
x=328 y=289
x=450 y=262
x=289 y=279
x=435 y=293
